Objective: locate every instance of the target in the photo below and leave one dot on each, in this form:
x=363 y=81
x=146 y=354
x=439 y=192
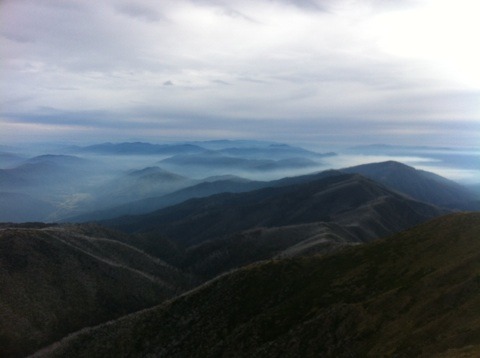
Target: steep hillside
x=58 y=279
x=412 y=295
x=419 y=184
x=214 y=257
x=349 y=200
x=216 y=234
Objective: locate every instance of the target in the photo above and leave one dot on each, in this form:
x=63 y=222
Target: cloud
x=283 y=64
x=139 y=11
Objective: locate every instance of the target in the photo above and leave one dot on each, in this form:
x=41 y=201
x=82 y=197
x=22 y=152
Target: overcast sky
x=373 y=71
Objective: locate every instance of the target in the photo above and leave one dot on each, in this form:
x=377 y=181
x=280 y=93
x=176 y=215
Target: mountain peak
x=419 y=184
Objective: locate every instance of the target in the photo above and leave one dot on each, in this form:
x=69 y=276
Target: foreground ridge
x=413 y=294
x=57 y=279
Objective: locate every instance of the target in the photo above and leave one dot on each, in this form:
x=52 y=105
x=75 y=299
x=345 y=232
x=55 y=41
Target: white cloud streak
x=315 y=64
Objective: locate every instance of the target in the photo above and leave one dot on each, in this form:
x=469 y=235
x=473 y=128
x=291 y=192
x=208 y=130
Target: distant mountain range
x=143 y=206
x=417 y=184
x=103 y=176
x=140 y=148
x=244 y=149
x=41 y=186
x=8 y=159
x=234 y=143
x=414 y=294
x=136 y=184
x=296 y=266
x=217 y=160
x=274 y=151
x=45 y=170
x=337 y=198
x=112 y=179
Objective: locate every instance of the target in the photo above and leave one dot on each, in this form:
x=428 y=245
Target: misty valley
x=107 y=180
x=239 y=178
x=239 y=248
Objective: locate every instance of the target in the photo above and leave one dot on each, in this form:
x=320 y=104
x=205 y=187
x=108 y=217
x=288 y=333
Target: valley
x=222 y=239
x=239 y=178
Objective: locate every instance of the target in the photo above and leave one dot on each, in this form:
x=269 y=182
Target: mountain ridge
x=58 y=279
x=273 y=206
x=423 y=186
x=409 y=295
x=419 y=184
x=212 y=235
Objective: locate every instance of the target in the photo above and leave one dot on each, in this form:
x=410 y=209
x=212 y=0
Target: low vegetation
x=410 y=295
x=58 y=279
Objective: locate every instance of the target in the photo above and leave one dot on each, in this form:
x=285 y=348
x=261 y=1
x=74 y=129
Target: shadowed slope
x=55 y=280
x=369 y=209
x=216 y=234
x=419 y=184
x=415 y=294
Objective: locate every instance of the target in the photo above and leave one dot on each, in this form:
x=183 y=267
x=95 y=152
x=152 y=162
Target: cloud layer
x=278 y=69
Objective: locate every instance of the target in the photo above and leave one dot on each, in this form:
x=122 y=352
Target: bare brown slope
x=56 y=280
x=415 y=294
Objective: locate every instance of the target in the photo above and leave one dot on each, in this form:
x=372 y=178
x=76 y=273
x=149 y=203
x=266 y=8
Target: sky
x=304 y=71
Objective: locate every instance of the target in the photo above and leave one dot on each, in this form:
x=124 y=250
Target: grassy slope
x=415 y=294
